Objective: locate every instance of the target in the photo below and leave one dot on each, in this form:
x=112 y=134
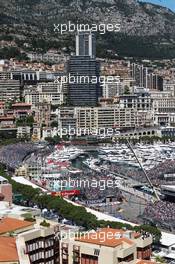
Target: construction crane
x=142 y=168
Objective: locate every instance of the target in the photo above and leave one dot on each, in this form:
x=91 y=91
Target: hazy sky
x=168 y=3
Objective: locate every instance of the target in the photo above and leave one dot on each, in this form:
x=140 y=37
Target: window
x=96 y=252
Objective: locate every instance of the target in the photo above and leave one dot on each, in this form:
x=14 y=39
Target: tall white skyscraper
x=86 y=44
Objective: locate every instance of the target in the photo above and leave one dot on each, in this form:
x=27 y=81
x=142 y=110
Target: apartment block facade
x=9 y=89
x=116 y=246
x=45 y=92
x=89 y=119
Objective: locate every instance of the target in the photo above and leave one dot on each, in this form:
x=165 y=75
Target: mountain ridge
x=141 y=22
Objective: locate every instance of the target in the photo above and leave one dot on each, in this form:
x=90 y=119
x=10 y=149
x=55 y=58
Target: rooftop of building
x=8 y=250
x=8 y=224
x=2 y=179
x=167 y=239
x=7 y=117
x=146 y=262
x=109 y=237
x=21 y=104
x=13 y=210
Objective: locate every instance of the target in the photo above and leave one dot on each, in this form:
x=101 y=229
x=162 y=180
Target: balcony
x=124 y=252
x=142 y=243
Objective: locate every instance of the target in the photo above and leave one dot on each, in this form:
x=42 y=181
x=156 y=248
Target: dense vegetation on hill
x=147 y=30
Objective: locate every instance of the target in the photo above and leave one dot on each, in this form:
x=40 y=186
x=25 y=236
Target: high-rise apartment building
x=9 y=89
x=143 y=77
x=83 y=91
x=85 y=44
x=139 y=73
x=83 y=69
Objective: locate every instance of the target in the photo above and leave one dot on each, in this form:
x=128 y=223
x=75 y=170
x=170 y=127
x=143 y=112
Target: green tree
x=54 y=124
x=76 y=214
x=126 y=90
x=44 y=223
x=160 y=260
x=25 y=121
x=153 y=230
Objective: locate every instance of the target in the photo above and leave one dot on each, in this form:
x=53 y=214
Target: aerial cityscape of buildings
x=94 y=135
x=130 y=94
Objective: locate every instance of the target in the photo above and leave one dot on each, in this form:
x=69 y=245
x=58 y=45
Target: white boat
x=149 y=155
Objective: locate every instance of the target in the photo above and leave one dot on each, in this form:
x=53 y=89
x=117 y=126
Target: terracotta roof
x=121 y=231
x=146 y=262
x=8 y=250
x=21 y=104
x=12 y=224
x=106 y=237
x=7 y=117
